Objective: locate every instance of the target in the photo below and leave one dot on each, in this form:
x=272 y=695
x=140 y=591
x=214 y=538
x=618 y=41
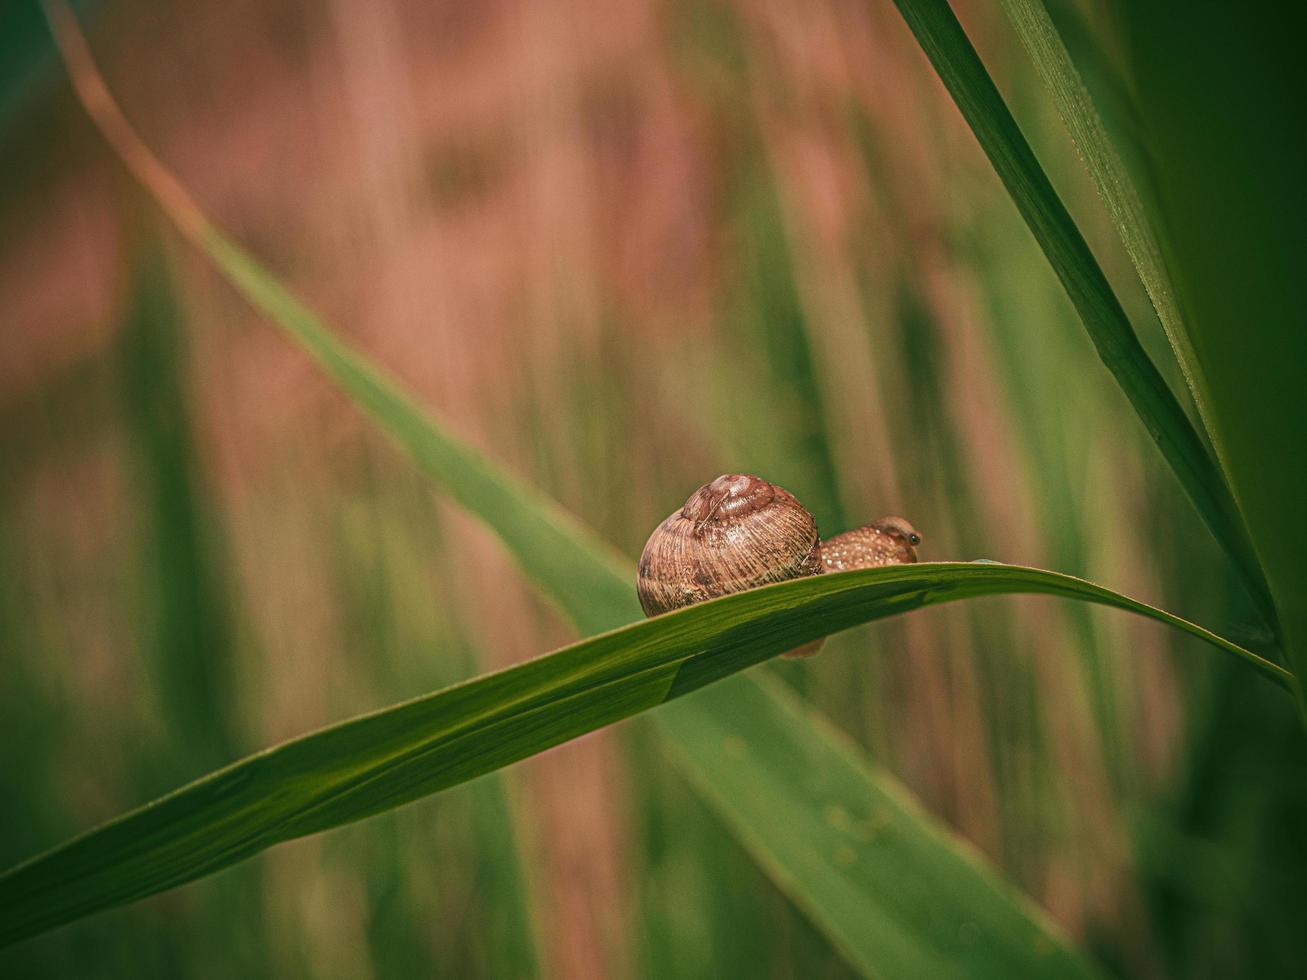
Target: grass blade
x=857 y=844
x=547 y=542
x=383 y=760
x=1111 y=178
x=1220 y=97
x=191 y=604
x=955 y=60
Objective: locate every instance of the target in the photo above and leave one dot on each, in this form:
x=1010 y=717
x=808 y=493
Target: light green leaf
x=937 y=30
x=548 y=543
x=898 y=894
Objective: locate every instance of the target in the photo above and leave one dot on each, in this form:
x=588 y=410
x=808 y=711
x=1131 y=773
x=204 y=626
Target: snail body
x=740 y=532
x=887 y=541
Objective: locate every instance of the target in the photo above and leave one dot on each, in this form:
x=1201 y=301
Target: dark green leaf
x=959 y=67
x=1221 y=95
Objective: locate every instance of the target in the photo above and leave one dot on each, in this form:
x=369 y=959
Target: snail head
x=903 y=533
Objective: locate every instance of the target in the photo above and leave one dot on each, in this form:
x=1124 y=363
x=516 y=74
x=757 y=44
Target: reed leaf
x=959 y=67
x=1112 y=179
x=1220 y=100
x=380 y=761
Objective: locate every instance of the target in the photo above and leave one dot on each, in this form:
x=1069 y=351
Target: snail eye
x=914 y=539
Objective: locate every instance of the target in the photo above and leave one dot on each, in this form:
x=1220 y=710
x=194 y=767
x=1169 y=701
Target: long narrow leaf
x=1109 y=173
x=547 y=541
x=815 y=808
x=380 y=761
x=1220 y=95
x=945 y=43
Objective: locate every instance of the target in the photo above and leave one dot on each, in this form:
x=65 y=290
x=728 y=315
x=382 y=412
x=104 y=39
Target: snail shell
x=735 y=533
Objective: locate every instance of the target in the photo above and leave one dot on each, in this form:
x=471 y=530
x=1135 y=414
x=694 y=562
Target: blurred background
x=622 y=248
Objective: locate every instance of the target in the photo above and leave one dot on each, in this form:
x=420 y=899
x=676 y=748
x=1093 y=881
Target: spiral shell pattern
x=735 y=533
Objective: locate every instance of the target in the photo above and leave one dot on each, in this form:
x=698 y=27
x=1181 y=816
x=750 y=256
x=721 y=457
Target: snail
x=740 y=531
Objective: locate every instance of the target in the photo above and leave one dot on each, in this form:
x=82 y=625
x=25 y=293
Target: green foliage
x=1112 y=180
x=550 y=545
x=1232 y=205
x=953 y=57
x=377 y=762
x=892 y=890
x=898 y=895
x=192 y=646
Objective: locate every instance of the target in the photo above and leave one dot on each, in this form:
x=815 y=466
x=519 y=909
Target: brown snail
x=739 y=532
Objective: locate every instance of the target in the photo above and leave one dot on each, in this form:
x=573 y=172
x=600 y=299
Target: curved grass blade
x=959 y=67
x=383 y=760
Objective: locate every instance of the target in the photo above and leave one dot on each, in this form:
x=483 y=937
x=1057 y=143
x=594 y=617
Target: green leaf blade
x=1220 y=100
x=383 y=760
x=853 y=840
x=959 y=67
x=1108 y=171
x=548 y=543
